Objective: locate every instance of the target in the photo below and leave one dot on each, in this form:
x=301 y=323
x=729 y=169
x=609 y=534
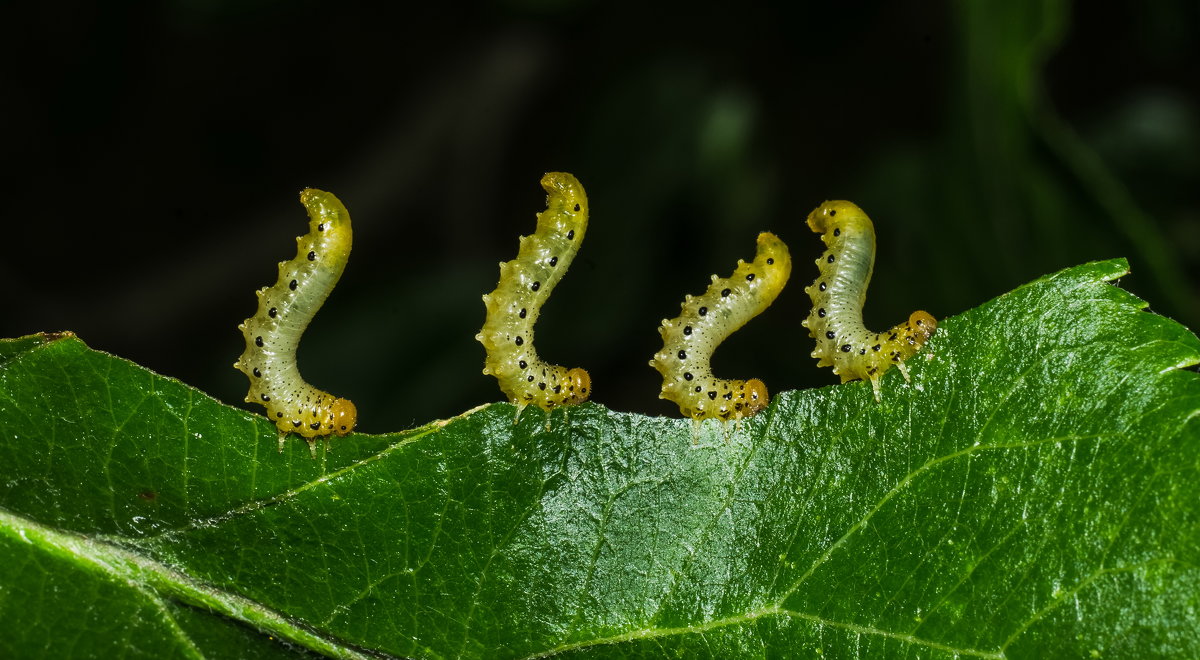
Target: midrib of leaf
x=773 y=610
x=153 y=579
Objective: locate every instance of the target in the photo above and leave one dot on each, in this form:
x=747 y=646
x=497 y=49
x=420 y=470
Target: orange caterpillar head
x=757 y=397
x=924 y=324
x=344 y=416
x=579 y=386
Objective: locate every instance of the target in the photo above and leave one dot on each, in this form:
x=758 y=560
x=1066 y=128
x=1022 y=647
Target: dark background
x=154 y=152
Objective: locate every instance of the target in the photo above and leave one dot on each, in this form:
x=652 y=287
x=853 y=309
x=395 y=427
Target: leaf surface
x=1032 y=493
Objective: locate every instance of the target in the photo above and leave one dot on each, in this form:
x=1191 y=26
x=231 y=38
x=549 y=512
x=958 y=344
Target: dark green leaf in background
x=1032 y=493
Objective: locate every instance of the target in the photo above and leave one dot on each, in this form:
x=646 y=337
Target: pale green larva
x=525 y=284
x=284 y=311
x=838 y=294
x=707 y=320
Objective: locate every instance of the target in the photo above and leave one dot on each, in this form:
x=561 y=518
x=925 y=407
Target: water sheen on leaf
x=1032 y=493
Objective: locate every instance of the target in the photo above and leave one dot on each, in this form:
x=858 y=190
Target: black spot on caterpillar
x=838 y=294
x=284 y=311
x=525 y=284
x=690 y=339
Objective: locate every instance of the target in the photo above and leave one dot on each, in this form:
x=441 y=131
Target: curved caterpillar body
x=284 y=311
x=838 y=295
x=690 y=339
x=525 y=284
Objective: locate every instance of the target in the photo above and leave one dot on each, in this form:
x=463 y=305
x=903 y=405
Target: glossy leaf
x=1032 y=493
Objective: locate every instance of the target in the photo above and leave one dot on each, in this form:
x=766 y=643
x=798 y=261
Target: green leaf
x=1032 y=493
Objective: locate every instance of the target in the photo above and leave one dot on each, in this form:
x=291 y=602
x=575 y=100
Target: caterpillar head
x=923 y=325
x=578 y=385
x=344 y=416
x=757 y=397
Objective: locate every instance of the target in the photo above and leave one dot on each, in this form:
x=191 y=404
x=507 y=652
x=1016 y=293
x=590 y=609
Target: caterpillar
x=525 y=284
x=690 y=339
x=838 y=295
x=284 y=311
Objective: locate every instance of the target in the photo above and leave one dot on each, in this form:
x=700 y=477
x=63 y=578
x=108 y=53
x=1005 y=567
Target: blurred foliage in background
x=156 y=151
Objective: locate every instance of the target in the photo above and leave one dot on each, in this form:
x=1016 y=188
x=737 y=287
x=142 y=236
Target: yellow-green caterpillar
x=838 y=294
x=525 y=284
x=690 y=339
x=284 y=311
